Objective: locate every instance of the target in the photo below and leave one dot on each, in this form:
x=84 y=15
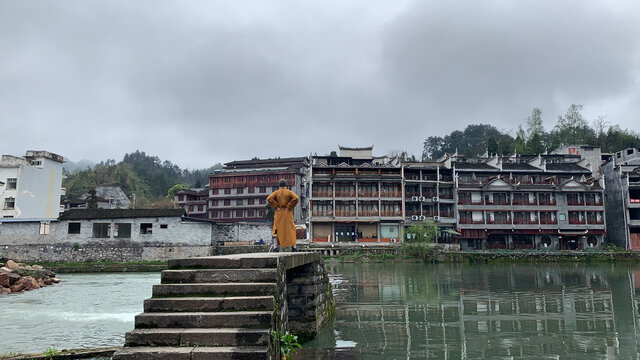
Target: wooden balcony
x=577 y=221
x=345 y=213
x=548 y=222
x=326 y=194
x=322 y=213
x=593 y=203
x=391 y=194
x=345 y=194
x=367 y=194
x=390 y=213
x=547 y=203
x=469 y=221
x=520 y=202
x=525 y=222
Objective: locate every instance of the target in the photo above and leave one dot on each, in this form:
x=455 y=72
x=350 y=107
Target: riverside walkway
x=225 y=307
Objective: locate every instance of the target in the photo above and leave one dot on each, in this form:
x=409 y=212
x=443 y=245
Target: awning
x=452 y=232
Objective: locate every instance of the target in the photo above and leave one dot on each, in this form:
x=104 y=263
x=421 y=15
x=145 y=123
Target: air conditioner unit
x=423 y=218
x=436 y=218
x=435 y=198
x=422 y=198
x=414 y=198
x=414 y=217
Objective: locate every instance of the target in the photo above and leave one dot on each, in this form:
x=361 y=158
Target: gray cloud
x=203 y=81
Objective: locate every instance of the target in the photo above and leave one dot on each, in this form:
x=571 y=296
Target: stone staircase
x=207 y=308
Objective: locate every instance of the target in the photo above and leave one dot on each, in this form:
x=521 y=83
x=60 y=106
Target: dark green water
x=384 y=311
x=453 y=311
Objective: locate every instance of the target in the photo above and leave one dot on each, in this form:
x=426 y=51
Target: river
x=384 y=311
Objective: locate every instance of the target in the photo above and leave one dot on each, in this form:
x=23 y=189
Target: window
x=12 y=183
x=101 y=230
x=240 y=190
x=164 y=226
x=250 y=201
x=250 y=213
x=562 y=217
x=146 y=228
x=213 y=203
x=44 y=228
x=214 y=191
x=122 y=230
x=226 y=214
x=227 y=191
x=74 y=228
x=227 y=203
x=213 y=215
x=9 y=203
x=239 y=213
x=239 y=202
x=263 y=189
x=251 y=189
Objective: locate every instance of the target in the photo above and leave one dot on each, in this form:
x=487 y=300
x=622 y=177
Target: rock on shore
x=16 y=277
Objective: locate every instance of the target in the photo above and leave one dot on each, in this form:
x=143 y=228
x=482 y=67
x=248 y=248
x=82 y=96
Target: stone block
x=153 y=353
x=212 y=289
x=4 y=280
x=239 y=319
x=230 y=353
x=209 y=304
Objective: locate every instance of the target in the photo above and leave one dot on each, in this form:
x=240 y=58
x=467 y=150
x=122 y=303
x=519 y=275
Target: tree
x=492 y=146
x=519 y=145
x=174 y=189
x=535 y=133
x=269 y=213
x=572 y=129
x=92 y=200
x=422 y=233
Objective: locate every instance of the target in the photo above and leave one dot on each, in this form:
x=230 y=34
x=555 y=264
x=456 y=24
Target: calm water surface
x=384 y=311
x=83 y=311
x=452 y=311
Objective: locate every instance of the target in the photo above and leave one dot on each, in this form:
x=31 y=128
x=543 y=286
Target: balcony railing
x=446 y=214
x=544 y=202
x=367 y=193
x=572 y=202
x=413 y=212
x=525 y=222
x=470 y=221
x=499 y=221
x=391 y=194
x=445 y=196
x=322 y=193
x=548 y=222
x=469 y=202
x=345 y=194
x=390 y=213
x=593 y=202
x=595 y=222
x=368 y=213
x=577 y=221
x=523 y=202
x=345 y=213
x=327 y=213
x=410 y=194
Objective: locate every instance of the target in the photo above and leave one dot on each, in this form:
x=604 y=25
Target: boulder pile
x=15 y=277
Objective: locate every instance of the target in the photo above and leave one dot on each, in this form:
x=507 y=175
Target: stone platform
x=225 y=307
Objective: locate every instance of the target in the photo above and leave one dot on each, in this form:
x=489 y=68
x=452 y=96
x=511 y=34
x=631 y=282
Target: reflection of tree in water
x=453 y=311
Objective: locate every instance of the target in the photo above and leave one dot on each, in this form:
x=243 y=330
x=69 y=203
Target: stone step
x=197 y=337
x=213 y=289
x=209 y=304
x=192 y=353
x=236 y=319
x=224 y=262
x=219 y=276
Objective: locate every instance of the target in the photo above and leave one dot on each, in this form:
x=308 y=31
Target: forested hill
x=571 y=128
x=148 y=177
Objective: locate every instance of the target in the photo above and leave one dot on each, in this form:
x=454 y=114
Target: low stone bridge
x=225 y=307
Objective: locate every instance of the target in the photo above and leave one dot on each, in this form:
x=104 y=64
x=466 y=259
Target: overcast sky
x=198 y=82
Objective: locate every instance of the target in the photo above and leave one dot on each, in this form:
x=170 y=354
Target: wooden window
x=74 y=228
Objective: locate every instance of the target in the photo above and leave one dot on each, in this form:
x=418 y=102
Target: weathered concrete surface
x=229 y=304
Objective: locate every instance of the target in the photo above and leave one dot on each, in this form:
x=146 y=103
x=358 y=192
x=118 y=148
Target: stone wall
x=170 y=238
x=118 y=251
x=241 y=231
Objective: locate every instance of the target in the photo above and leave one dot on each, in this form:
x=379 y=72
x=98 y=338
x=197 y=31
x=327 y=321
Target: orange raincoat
x=283 y=201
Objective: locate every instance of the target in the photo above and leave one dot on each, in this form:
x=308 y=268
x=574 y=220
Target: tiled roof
x=88 y=214
x=474 y=166
x=519 y=166
x=569 y=167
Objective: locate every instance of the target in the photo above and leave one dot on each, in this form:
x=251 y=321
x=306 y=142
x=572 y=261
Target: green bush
x=421 y=233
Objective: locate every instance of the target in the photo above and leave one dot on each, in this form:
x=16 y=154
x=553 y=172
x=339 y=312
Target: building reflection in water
x=548 y=311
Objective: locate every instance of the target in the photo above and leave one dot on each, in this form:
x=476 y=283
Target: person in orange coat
x=283 y=201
